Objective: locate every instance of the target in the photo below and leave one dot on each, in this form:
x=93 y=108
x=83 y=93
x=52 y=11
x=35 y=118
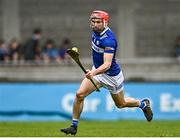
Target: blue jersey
x=105 y=42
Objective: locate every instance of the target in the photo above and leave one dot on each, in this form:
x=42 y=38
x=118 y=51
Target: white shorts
x=113 y=83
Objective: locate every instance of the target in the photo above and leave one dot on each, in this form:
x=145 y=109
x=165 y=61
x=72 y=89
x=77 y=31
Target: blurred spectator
x=3 y=52
x=66 y=43
x=178 y=48
x=14 y=48
x=31 y=49
x=50 y=53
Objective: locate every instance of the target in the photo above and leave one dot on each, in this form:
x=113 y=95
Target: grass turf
x=125 y=128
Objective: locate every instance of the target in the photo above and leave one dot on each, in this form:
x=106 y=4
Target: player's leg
x=121 y=102
x=85 y=89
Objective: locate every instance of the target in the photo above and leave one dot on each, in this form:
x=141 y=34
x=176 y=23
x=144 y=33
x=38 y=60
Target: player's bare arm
x=103 y=68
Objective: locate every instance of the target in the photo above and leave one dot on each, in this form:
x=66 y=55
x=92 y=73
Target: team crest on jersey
x=96 y=48
x=97 y=42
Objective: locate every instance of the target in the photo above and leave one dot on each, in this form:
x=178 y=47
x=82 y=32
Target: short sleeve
x=109 y=45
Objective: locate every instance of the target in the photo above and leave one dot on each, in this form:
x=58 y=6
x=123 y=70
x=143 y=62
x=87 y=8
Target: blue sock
x=142 y=104
x=74 y=122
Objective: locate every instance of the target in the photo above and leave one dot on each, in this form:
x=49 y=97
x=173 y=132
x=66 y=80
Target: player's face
x=97 y=25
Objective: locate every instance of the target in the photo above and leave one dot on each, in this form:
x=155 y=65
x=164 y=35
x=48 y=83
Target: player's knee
x=120 y=104
x=79 y=96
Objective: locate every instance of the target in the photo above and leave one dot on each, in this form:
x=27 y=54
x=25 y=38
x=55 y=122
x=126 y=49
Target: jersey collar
x=107 y=28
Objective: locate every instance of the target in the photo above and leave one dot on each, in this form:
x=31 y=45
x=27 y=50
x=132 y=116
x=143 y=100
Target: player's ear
x=90 y=25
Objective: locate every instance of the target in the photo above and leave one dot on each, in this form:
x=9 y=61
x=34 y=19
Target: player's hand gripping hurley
x=75 y=56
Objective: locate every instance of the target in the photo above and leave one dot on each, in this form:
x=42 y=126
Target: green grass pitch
x=125 y=128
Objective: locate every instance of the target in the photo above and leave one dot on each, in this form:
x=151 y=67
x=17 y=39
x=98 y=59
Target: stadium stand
x=63 y=18
x=159 y=70
x=156 y=28
x=0 y=22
